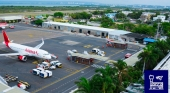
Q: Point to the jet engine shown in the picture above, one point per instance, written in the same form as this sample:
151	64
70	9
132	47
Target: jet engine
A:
22	58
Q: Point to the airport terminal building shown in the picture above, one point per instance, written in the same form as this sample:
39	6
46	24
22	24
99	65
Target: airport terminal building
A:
91	30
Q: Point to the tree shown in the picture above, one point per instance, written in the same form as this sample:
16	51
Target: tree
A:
106	78
127	9
121	67
106	22
135	15
145	29
166	16
120	16
166	27
163	46
134	74
97	12
58	14
38	22
85	86
81	15
108	11
148	58
129	26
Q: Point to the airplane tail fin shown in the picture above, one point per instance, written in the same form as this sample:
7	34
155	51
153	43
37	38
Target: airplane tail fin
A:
6	39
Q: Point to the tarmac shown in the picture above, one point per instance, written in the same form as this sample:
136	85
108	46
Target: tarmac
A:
57	43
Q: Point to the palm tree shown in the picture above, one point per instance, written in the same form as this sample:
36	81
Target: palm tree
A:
148	57
163	46
86	86
105	77
135	74
121	67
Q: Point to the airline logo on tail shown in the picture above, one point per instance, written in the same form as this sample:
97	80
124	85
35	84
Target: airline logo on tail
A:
6	39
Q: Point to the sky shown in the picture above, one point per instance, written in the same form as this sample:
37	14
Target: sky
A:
126	2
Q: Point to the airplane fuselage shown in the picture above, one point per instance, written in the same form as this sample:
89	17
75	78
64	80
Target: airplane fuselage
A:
29	51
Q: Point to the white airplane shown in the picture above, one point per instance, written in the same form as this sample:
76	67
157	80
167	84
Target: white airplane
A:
23	51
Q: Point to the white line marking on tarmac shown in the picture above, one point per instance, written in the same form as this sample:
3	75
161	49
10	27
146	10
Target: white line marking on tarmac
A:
74	86
69	81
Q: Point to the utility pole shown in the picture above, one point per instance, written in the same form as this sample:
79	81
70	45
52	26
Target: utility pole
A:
143	67
157	31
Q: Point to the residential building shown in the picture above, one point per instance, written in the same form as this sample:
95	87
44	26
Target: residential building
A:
161	17
126	12
96	16
145	16
111	15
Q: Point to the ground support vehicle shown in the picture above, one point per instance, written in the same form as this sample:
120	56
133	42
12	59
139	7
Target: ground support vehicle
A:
42	73
46	65
45	74
9	78
23	85
37	71
56	63
97	52
50	65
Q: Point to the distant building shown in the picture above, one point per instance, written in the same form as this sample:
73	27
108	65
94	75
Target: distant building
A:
145	17
67	18
149	13
134	37
12	18
161	17
39	17
96	16
111	15
126	12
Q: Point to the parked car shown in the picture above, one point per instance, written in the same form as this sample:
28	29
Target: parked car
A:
12	27
128	55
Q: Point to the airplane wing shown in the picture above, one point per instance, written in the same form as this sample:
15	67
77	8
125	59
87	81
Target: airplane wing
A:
10	54
40	45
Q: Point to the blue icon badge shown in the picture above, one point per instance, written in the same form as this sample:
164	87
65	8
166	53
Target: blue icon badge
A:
156	81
